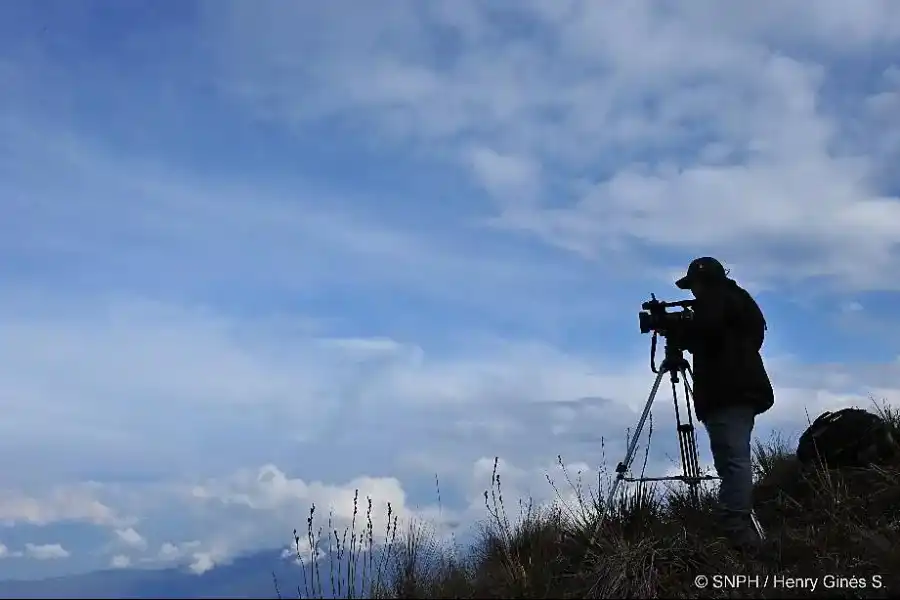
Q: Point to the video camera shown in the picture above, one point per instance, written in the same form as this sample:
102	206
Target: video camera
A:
655	318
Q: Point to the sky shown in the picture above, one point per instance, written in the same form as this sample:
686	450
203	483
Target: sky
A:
258	255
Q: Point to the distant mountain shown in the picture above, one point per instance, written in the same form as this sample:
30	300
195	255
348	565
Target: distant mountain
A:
250	576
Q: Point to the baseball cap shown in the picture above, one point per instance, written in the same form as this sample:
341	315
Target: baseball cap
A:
704	268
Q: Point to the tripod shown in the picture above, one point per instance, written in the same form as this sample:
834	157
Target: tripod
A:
678	369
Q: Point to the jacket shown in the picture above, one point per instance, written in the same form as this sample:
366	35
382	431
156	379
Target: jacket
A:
724	337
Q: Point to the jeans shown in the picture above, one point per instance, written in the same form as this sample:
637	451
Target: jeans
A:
729	430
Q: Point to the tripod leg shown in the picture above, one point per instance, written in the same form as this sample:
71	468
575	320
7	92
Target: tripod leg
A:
686	444
623	466
756	525
695	457
692	463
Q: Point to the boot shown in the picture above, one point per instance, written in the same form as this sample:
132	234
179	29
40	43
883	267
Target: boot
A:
746	541
739	530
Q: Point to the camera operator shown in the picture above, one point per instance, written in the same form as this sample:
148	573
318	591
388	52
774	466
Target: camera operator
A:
731	385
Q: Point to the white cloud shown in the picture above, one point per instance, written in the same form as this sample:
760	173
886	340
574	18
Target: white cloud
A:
120	561
304	388
169	552
132	538
60	504
269	488
510	179
200	557
202	563
46	551
729	113
852	307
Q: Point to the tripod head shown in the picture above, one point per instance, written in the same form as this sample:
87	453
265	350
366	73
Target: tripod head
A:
673	358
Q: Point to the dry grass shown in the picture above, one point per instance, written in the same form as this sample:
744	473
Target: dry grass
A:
820	524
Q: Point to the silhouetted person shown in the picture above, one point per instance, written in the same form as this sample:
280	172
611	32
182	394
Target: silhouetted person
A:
731	386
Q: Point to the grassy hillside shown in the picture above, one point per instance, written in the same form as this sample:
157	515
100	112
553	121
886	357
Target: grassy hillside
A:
840	530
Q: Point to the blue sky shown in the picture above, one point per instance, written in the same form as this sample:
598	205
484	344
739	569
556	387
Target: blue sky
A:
259	254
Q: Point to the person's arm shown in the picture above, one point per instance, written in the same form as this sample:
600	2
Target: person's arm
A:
712	317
